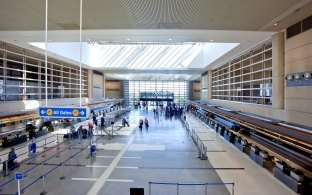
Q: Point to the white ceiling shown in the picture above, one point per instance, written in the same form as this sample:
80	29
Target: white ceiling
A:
247	22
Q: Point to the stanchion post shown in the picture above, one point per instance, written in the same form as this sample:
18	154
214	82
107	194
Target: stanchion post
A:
45	143
177	188
206	188
149	188
233	189
43	181
77	160
19	187
57	141
57	151
62	169
7	168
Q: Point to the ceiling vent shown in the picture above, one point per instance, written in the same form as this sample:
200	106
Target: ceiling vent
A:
69	26
171	25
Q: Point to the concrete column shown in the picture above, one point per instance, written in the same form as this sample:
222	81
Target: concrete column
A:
278	73
209	85
90	83
104	85
204	87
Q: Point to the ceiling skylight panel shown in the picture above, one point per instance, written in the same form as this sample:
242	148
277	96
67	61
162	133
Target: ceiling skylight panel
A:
159	56
142	56
182	56
148	56
155	55
132	55
103	53
110	62
175	55
111	53
167	57
121	57
135	56
127	57
163	58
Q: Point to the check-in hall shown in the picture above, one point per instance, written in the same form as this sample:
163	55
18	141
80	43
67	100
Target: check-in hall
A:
155	97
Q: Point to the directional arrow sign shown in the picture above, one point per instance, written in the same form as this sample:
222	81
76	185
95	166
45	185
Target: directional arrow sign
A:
62	112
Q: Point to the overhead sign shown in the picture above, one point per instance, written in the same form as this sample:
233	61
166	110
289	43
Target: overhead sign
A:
63	112
19	176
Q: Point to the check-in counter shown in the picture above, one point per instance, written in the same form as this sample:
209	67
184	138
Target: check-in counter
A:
242	144
41	133
292	178
229	136
221	130
262	158
13	140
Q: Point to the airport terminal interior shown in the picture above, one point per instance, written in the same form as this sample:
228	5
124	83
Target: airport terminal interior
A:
156	97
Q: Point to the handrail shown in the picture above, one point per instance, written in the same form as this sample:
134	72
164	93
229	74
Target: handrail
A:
58	165
3	184
189	184
26	145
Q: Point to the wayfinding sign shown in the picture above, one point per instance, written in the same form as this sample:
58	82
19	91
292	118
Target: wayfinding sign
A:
63	112
19	176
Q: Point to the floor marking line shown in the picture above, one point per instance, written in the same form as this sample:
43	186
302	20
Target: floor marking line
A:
124	167
97	166
105	175
120	180
84	179
105	156
132	157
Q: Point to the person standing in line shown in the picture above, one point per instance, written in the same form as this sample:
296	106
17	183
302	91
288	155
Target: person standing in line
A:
11	159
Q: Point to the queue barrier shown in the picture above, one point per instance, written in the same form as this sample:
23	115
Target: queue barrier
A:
12	179
206	185
44	145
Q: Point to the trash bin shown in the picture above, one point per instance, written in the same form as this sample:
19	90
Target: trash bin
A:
136	191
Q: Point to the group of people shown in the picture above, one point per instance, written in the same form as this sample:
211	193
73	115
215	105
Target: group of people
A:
145	122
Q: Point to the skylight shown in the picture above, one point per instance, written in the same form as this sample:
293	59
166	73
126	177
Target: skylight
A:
143	55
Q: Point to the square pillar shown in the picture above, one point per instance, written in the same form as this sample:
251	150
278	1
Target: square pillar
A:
278	73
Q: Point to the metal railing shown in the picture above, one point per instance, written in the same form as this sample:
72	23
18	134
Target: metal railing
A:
43	144
206	190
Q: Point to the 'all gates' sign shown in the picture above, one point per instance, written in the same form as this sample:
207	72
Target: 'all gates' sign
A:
63	112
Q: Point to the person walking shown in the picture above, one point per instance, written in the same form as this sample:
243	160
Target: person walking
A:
141	124
146	123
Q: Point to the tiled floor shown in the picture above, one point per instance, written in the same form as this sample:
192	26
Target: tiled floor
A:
165	152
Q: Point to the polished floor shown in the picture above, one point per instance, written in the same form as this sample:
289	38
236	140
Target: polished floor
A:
165	152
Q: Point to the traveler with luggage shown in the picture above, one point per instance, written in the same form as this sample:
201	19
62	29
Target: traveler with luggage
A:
11	159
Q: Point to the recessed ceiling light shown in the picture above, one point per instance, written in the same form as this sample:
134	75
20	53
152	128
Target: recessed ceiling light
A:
170	39
211	40
276	23
88	40
128	39
49	40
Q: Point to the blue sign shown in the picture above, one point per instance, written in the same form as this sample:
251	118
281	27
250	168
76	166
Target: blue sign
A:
19	176
62	112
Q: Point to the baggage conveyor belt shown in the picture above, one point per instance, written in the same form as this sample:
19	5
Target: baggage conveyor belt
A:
296	144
